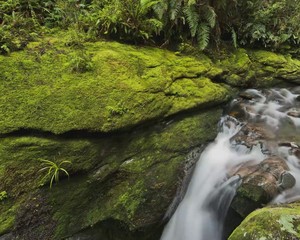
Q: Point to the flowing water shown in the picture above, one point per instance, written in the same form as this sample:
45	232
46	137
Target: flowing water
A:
201	213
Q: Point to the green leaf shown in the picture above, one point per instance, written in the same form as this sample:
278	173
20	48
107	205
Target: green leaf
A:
203	35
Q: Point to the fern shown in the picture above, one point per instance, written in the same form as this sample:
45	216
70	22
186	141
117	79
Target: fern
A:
210	16
160	9
147	5
234	38
192	17
175	8
191	2
203	32
155	24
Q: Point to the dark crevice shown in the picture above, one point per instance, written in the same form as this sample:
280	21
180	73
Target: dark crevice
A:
154	124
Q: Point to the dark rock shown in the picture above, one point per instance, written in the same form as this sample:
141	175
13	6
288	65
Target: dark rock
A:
294	113
253	134
261	183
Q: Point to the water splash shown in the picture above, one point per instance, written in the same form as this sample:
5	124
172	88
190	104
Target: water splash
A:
201	213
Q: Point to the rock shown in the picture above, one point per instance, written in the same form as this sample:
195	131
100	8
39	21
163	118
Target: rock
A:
125	87
294	113
257	68
273	222
6	237
128	178
253	134
260	184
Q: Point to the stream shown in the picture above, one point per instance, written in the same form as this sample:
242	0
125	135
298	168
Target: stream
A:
276	112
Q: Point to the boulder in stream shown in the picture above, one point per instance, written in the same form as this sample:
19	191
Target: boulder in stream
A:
270	223
260	184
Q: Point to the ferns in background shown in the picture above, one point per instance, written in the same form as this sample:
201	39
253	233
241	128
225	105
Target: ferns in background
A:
267	23
201	19
127	19
270	23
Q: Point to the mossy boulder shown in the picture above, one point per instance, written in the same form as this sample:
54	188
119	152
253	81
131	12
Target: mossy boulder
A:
130	178
270	223
100	86
259	68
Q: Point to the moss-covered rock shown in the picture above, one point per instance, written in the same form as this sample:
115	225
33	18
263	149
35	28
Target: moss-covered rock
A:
102	86
270	223
130	177
258	68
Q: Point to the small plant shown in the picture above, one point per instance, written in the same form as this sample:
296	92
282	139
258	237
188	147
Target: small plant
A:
3	195
80	62
53	170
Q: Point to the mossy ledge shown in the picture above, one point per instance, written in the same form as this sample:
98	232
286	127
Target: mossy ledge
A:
99	87
258	68
129	178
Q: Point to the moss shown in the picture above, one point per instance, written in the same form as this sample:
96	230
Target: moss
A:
270	223
19	159
257	68
126	86
7	217
136	179
269	58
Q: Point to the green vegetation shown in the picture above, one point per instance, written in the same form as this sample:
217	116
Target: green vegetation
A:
3	195
270	24
143	84
53	170
275	222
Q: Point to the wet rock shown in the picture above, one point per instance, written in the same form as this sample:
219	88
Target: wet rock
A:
130	178
261	183
253	134
270	223
246	95
6	236
294	113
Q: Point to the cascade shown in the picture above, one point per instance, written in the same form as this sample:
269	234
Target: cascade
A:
201	213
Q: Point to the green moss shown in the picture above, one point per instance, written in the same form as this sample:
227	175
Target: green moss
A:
7	217
136	176
270	223
126	86
269	58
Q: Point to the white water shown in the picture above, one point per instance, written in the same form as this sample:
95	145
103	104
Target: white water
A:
201	213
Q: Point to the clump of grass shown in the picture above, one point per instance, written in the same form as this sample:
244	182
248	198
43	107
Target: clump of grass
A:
53	170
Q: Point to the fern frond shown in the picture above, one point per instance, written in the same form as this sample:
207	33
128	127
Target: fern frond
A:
203	32
155	24
234	38
192	17
175	7
210	16
192	2
147	5
160	9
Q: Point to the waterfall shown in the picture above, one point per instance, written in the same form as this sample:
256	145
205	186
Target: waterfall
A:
201	213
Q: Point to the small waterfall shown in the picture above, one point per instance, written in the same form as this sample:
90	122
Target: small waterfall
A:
201	213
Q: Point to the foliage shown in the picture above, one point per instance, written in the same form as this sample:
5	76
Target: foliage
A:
126	19
267	23
53	170
16	29
80	62
3	195
270	23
